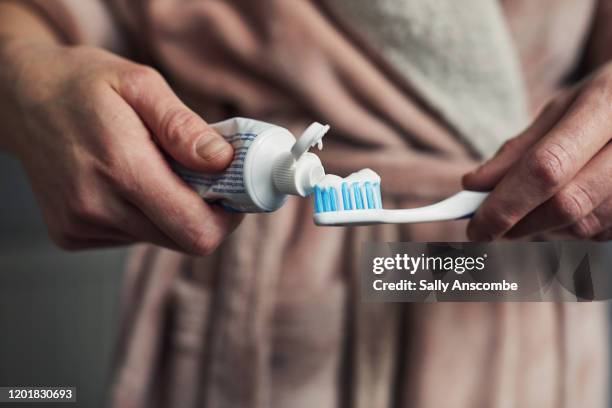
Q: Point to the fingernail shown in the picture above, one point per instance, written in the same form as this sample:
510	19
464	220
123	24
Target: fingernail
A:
210	146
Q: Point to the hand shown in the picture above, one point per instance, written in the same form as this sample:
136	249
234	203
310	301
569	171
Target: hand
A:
557	175
90	128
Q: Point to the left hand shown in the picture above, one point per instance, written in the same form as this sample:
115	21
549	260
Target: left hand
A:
556	176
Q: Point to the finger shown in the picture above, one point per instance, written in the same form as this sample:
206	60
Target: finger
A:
121	223
596	225
575	202
181	132
100	214
486	176
176	209
181	214
545	169
142	229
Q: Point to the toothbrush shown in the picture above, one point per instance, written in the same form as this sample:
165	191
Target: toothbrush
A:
357	200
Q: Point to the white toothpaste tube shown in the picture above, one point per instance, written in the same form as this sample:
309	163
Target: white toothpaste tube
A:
268	165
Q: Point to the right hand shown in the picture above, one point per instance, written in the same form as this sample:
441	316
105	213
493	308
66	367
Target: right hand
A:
89	129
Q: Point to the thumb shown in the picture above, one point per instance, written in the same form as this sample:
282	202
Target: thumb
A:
183	134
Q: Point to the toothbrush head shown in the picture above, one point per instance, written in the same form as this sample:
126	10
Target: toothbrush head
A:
356	200
359	192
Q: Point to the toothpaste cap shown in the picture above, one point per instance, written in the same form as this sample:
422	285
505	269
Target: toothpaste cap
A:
313	135
298	171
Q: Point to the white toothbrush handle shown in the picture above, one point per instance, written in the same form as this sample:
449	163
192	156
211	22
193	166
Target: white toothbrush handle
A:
460	205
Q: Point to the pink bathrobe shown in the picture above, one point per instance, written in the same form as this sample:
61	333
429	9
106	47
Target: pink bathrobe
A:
419	91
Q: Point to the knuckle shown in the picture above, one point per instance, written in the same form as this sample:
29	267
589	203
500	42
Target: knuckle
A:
139	74
547	166
179	125
136	78
572	204
84	208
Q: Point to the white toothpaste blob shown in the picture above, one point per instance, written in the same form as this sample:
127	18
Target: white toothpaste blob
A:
330	180
363	175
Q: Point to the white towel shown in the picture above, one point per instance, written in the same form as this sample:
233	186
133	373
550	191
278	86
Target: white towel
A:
472	77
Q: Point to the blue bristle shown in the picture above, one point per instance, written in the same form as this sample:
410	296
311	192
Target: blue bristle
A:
357	194
351	196
369	195
346	197
326	202
318	199
333	199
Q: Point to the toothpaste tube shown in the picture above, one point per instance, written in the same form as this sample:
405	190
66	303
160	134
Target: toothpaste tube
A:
268	165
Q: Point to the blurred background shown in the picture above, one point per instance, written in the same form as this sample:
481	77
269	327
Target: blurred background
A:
58	310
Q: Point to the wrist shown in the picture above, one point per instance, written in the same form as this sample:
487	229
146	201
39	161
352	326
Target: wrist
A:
20	30
15	51
8	105
21	33
15	56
